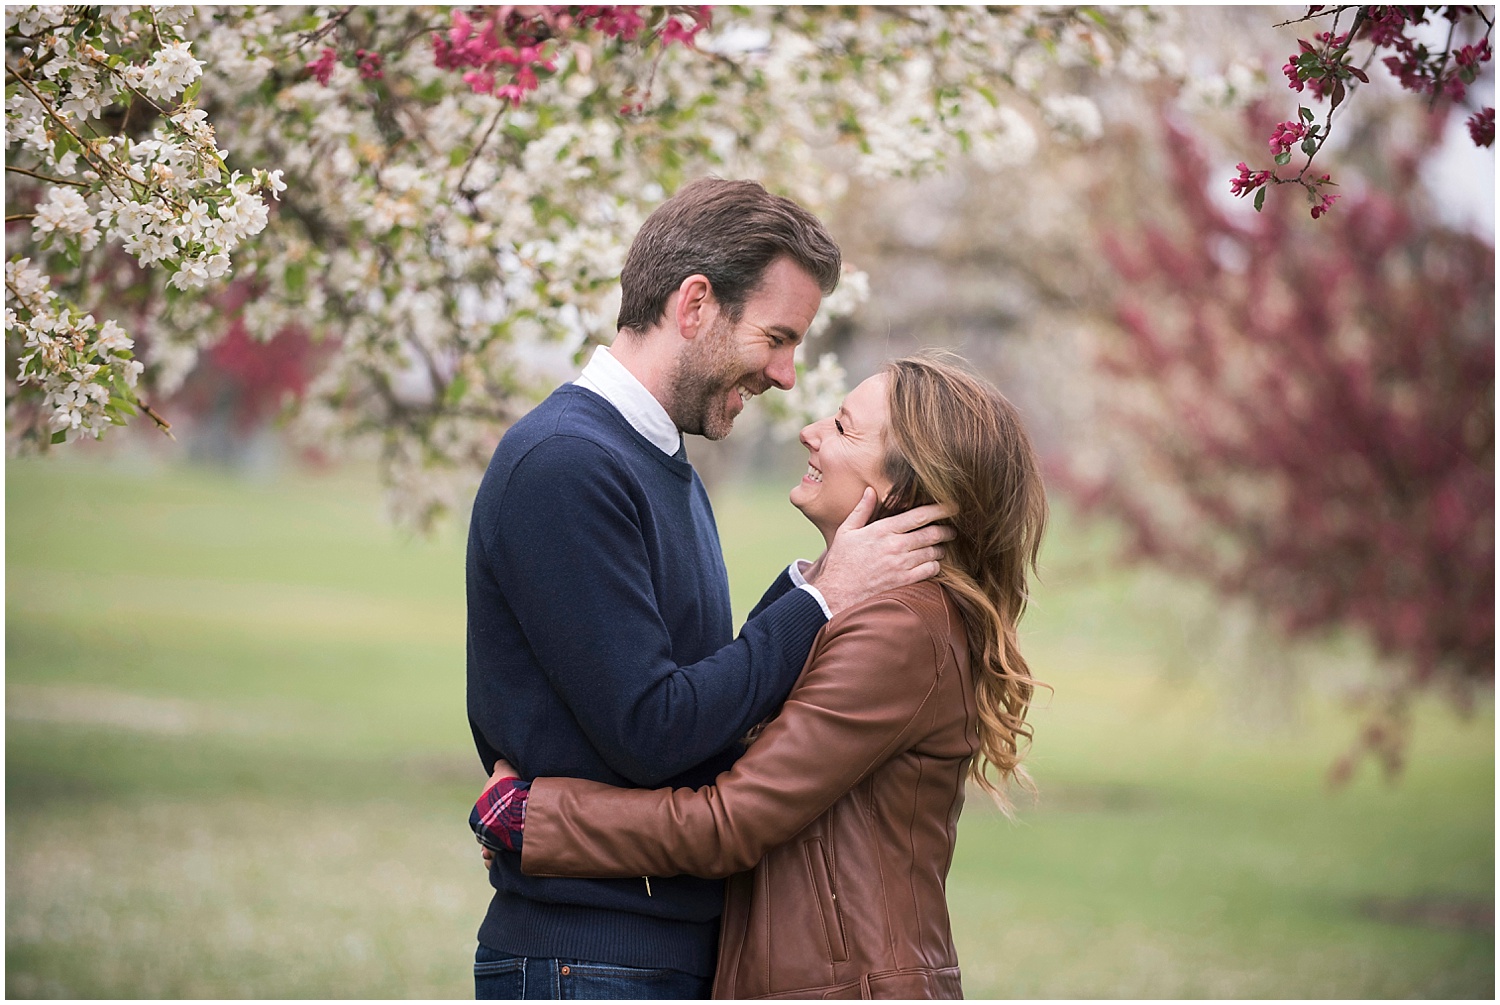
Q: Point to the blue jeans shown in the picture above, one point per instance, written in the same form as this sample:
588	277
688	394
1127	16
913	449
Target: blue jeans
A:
500	975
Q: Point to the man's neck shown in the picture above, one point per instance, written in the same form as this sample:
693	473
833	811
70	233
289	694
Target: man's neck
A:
648	361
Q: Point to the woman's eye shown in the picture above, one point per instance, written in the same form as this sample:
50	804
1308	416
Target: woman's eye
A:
839	426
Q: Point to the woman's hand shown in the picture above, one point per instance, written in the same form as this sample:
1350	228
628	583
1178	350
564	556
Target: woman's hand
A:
503	770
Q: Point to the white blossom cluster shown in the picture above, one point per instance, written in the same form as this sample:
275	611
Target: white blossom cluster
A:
168	201
455	253
80	366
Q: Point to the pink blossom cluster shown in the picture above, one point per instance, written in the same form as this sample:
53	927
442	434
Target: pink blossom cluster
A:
321	68
1482	127
1324	204
369	64
614	21
1287	135
1248	181
507	48
1323	65
1423	70
507	42
1385	24
1473	55
1326	69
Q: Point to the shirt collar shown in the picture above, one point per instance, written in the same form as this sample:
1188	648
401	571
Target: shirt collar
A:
608	378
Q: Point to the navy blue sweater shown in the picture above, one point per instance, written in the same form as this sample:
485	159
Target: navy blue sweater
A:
601	646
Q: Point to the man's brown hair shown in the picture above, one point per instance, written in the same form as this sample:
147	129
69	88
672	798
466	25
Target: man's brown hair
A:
728	231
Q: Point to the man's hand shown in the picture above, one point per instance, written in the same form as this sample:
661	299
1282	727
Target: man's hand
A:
865	560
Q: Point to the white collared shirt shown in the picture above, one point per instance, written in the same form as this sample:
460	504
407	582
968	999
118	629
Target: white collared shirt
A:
609	379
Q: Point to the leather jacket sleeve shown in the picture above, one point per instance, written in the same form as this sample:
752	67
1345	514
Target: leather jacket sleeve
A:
865	696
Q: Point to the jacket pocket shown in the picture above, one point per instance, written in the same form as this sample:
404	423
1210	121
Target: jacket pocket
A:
821	875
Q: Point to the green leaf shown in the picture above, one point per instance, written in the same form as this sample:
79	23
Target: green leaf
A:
1309	145
296	279
454	393
63	144
60	436
1284	157
1305	112
1260	199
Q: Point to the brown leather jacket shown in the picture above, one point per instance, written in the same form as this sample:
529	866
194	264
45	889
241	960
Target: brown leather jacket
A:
844	811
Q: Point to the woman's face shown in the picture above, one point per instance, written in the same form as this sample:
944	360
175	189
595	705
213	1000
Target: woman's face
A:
845	452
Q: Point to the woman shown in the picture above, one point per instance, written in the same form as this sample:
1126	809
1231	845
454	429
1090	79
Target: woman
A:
846	804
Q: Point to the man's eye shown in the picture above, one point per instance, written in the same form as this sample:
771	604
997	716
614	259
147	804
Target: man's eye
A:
839	426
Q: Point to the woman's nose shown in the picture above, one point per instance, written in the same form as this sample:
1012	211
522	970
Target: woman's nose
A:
806	436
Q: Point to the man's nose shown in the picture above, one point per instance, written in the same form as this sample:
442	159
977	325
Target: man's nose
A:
783	369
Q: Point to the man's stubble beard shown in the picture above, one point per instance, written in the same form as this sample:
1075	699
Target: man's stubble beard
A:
706	371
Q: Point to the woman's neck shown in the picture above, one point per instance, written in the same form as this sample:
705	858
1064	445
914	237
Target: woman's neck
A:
828	533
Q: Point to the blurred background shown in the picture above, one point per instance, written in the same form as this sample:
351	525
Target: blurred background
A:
237	761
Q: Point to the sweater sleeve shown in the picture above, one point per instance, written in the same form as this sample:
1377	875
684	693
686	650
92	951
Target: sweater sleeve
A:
578	578
866	697
778	589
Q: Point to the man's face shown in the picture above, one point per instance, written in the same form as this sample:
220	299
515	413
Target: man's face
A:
734	361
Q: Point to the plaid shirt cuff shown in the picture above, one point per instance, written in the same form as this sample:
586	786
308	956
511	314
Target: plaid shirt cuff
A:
499	816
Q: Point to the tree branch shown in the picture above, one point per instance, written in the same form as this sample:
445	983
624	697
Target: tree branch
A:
1313	16
333	22
103	167
42	177
162	424
1437	75
482	141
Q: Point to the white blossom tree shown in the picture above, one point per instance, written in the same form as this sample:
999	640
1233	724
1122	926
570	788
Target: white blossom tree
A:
442	197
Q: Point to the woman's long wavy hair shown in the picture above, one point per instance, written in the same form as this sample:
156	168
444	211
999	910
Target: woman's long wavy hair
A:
954	439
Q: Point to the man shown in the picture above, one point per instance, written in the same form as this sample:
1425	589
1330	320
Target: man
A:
600	640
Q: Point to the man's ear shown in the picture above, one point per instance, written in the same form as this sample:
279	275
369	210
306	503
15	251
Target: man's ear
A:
696	307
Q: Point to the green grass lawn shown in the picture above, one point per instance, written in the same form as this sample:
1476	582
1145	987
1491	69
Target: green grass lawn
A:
238	766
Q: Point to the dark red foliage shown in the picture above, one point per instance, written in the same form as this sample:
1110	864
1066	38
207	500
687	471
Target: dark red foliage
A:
246	380
1482	127
1312	411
